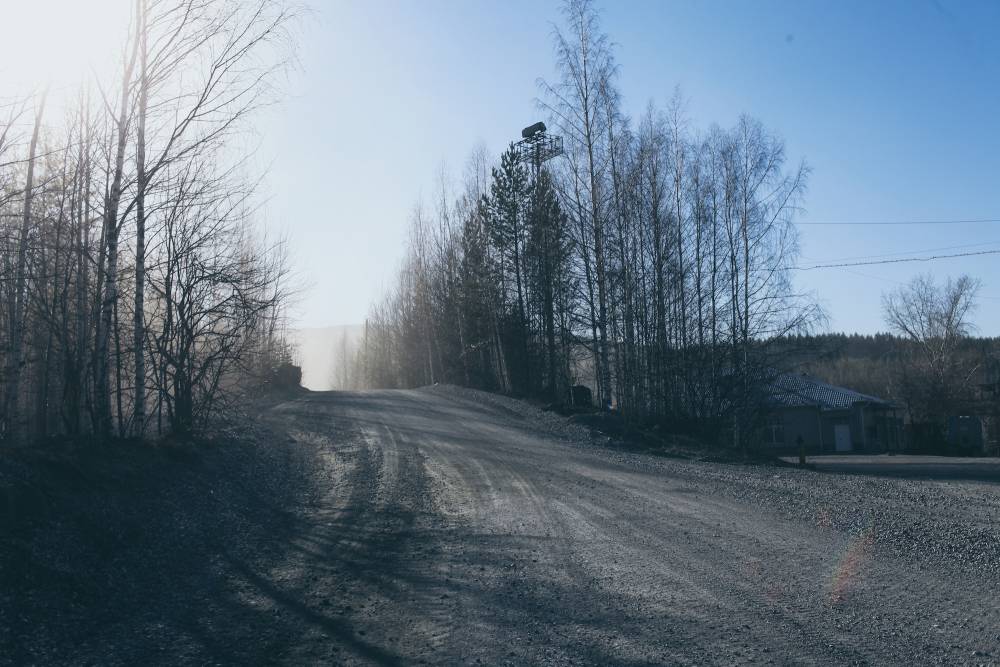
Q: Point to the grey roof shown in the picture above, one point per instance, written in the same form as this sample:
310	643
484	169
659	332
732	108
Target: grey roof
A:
794	390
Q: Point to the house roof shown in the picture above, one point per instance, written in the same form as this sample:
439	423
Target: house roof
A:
795	390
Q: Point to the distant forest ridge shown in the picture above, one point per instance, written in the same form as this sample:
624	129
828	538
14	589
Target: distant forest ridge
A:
877	345
870	363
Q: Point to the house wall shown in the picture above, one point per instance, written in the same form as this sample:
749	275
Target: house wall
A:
861	420
874	430
804	422
795	422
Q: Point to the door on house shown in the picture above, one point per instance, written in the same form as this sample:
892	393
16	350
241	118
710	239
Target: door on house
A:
842	437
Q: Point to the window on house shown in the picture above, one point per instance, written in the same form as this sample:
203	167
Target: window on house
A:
775	430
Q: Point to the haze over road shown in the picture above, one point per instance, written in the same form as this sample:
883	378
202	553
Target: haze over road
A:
459	528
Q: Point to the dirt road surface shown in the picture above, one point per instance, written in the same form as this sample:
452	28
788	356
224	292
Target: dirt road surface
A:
449	527
456	528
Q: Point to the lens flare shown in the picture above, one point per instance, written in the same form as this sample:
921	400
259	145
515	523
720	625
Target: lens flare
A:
851	565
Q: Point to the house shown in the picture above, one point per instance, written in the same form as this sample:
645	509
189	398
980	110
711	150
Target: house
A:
828	419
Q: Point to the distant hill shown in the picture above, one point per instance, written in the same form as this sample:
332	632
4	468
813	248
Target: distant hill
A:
318	351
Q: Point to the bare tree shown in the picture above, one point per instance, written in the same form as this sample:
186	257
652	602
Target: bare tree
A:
936	319
200	62
156	149
110	235
578	102
17	307
213	290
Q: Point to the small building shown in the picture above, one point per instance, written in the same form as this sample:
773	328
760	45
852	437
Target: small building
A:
828	419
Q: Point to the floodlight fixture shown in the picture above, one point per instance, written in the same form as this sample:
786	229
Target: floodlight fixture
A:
532	130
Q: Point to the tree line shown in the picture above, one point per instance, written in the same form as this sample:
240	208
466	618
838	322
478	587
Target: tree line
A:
650	262
136	288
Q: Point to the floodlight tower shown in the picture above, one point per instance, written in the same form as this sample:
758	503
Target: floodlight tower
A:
537	146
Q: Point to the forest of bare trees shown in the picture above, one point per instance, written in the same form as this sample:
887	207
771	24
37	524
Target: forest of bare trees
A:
136	289
651	262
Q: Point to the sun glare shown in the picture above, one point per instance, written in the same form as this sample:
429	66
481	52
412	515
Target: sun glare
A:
59	43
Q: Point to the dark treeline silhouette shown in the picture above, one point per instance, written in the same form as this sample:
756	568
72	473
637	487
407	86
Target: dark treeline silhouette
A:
888	366
651	262
135	291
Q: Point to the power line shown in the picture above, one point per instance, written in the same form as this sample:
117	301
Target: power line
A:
896	261
898	282
905	252
904	222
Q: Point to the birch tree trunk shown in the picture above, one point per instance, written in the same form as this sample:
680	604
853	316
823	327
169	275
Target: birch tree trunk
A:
138	317
109	289
14	422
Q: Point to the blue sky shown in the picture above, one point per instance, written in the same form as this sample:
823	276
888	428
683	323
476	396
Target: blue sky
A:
894	105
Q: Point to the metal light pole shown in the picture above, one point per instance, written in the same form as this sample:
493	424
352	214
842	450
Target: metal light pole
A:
538	146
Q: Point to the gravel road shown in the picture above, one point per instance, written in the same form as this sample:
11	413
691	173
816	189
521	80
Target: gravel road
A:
446	526
454	527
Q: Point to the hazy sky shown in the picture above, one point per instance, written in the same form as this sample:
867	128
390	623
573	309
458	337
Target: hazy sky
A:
894	105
